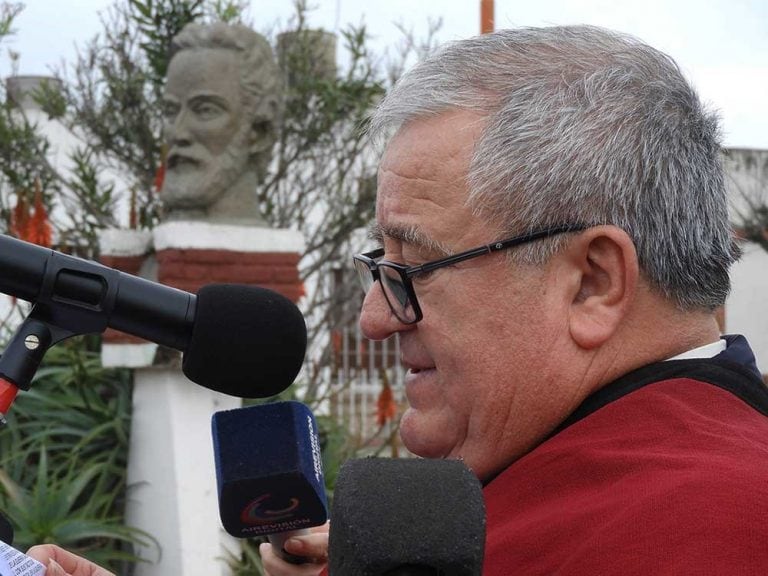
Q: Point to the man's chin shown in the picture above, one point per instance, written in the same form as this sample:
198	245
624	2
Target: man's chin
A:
422	437
188	191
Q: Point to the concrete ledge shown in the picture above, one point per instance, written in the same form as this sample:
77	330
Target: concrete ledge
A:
128	355
205	236
125	242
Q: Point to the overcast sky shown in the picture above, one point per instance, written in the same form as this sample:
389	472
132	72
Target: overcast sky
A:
722	45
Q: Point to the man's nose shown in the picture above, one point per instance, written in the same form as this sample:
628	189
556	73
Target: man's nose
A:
177	129
377	321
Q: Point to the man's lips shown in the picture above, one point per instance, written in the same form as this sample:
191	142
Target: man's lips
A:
416	365
180	160
419	370
415	362
421	385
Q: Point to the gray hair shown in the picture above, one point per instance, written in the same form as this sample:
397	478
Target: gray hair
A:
586	126
260	78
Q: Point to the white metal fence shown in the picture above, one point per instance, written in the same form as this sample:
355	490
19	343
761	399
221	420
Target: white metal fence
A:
362	370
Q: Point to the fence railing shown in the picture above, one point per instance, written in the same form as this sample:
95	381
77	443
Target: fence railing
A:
366	386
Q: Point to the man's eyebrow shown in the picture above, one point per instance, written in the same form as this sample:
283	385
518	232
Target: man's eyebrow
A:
206	96
408	235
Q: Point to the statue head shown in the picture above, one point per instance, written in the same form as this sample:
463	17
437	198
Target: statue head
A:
221	106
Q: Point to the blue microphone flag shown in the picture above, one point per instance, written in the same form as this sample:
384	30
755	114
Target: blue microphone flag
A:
268	469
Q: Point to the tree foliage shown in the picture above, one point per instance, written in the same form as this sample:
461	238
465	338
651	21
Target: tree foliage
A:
748	180
22	148
8	13
321	182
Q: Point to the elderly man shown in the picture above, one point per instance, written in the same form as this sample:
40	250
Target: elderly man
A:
221	104
554	241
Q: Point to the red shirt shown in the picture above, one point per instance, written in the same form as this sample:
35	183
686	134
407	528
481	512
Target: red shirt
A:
671	478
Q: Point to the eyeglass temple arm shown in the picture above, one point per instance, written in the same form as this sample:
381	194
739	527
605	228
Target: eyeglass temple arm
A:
493	247
455	259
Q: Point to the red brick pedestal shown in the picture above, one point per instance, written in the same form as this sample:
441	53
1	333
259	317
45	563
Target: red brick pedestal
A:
189	255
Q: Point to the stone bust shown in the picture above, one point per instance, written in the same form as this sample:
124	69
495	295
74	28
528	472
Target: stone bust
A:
221	107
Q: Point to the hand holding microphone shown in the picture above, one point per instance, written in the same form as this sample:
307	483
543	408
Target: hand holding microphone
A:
393	518
312	546
269	472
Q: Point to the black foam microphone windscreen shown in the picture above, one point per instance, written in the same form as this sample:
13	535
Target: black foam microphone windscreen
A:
399	517
247	341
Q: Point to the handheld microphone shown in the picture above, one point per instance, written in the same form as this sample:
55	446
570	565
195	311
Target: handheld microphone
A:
406	517
241	340
269	472
6	531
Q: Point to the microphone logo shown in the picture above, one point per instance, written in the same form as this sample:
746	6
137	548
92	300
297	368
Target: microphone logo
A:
266	510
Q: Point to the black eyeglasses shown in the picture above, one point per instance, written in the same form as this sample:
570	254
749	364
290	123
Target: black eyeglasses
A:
396	280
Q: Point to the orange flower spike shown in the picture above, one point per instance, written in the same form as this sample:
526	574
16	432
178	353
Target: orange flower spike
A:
39	229
160	177
386	408
337	341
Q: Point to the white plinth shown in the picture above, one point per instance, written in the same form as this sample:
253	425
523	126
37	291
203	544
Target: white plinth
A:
209	236
171	475
127	355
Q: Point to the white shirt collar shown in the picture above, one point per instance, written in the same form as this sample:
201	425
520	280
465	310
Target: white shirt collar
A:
706	351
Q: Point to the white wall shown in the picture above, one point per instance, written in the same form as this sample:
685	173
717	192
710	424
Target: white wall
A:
746	311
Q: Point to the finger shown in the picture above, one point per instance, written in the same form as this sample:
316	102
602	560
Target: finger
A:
55	569
313	546
71	563
323	528
276	566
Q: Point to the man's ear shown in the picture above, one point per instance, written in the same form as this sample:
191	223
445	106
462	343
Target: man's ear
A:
262	136
605	270
264	128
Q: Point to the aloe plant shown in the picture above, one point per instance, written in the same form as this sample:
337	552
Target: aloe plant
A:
70	508
63	457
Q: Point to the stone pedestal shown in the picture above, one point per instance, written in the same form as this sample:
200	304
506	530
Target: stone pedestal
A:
228	254
171	474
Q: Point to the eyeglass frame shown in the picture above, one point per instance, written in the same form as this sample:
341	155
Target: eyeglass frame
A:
407	273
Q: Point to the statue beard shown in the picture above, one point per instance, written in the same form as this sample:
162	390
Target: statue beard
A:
202	185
